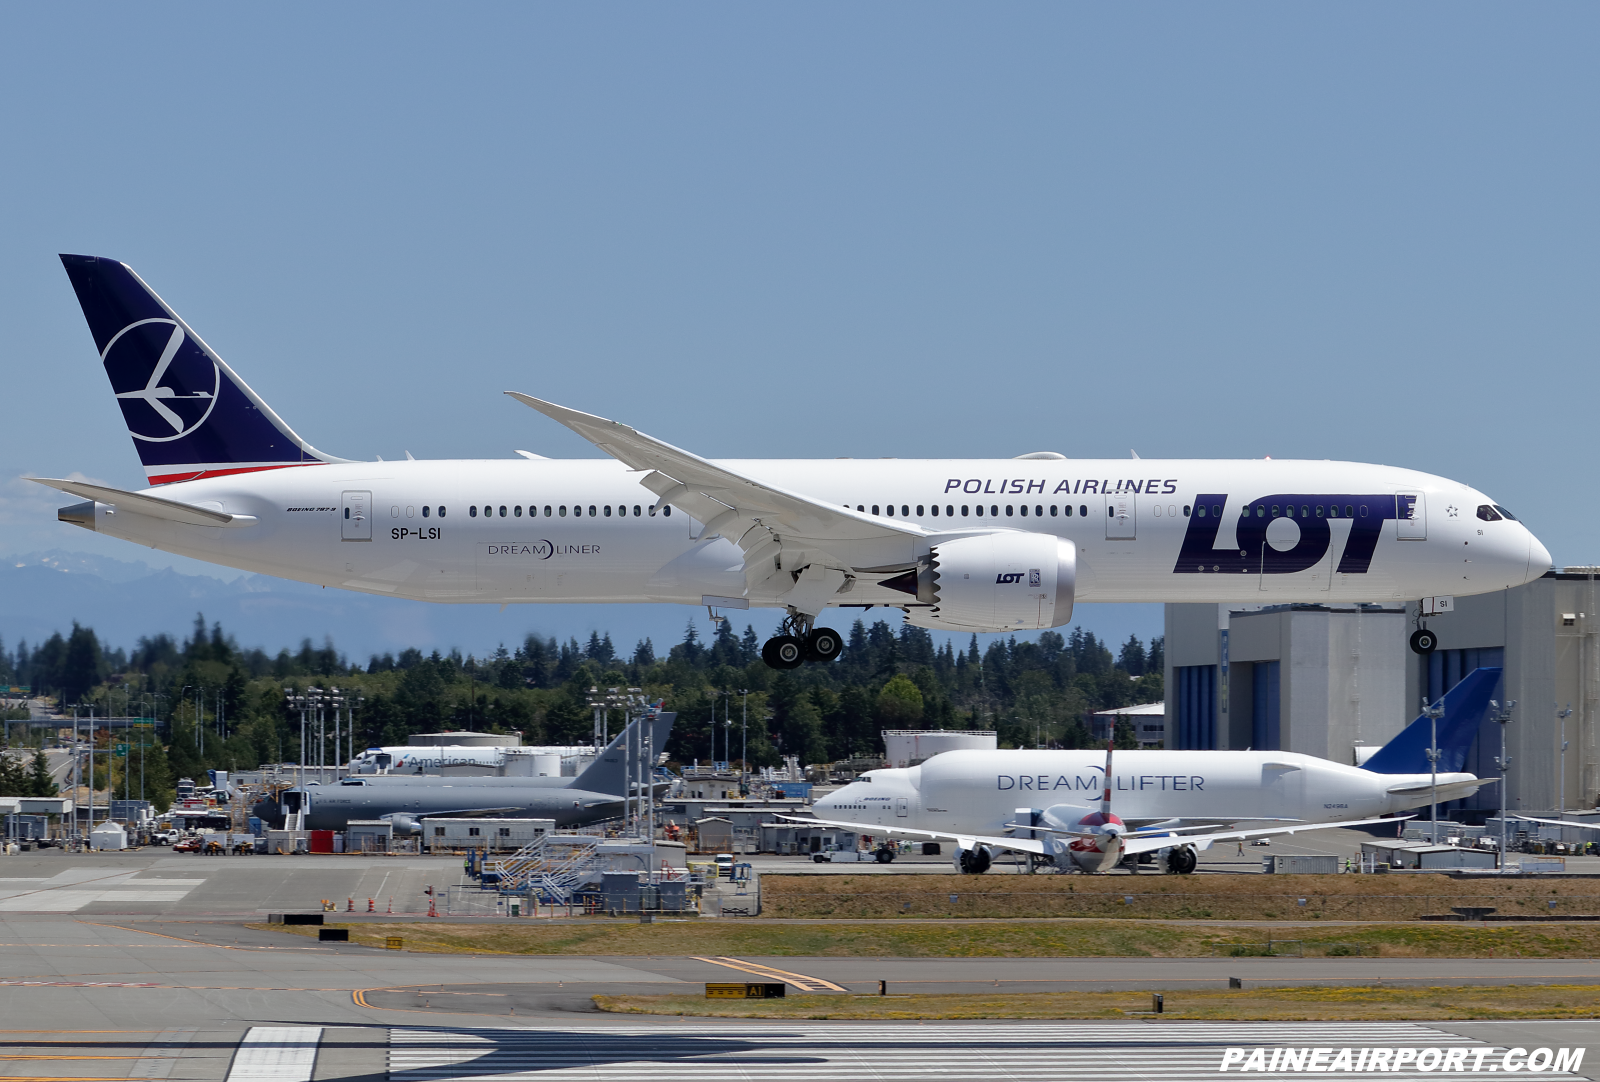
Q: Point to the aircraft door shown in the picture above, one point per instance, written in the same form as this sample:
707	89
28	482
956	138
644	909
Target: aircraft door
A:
1412	515
356	517
1121	516
1284	786
901	806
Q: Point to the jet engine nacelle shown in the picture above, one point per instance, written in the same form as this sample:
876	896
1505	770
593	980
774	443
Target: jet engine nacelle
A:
404	825
1001	581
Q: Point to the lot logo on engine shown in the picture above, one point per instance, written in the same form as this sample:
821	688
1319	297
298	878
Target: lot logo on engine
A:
1010	576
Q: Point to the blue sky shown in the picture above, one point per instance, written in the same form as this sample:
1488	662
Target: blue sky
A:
1353	231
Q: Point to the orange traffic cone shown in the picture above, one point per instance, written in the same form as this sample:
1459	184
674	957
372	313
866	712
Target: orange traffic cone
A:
349	904
371	906
391	903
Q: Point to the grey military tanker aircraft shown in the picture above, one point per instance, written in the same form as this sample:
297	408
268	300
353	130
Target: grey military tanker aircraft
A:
593	796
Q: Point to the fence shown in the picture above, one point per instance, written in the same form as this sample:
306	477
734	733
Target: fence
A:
1163	906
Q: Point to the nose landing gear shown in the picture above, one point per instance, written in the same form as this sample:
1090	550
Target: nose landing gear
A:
798	642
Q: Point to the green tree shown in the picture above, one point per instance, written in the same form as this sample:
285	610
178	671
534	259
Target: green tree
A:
900	702
40	783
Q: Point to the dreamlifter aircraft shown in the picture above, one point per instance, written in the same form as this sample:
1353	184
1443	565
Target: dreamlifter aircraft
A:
966	545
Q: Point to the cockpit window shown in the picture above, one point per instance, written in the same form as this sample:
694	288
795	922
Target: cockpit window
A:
1504	513
1488	513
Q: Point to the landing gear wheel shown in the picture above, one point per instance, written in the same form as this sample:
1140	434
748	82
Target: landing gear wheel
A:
884	856
1424	642
784	652
823	644
1182	860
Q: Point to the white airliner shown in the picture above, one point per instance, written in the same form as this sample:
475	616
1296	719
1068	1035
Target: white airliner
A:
432	758
969	545
1058	804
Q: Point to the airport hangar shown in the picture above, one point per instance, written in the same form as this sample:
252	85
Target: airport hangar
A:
1324	679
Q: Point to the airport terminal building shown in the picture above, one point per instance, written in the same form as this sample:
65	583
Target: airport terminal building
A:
1326	679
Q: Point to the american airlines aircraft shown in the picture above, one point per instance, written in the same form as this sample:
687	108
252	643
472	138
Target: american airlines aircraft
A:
963	545
1057	805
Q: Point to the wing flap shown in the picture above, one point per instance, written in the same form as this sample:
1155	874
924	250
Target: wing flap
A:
1149	844
966	841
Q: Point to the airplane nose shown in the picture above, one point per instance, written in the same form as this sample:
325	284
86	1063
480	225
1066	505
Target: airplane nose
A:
1539	560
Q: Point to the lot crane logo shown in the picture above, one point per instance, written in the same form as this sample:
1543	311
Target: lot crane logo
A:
167	385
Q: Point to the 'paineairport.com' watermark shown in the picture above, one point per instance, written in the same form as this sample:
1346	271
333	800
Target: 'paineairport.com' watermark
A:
1442	1060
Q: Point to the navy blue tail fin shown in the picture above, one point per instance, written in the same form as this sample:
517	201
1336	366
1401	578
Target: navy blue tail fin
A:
1464	708
189	415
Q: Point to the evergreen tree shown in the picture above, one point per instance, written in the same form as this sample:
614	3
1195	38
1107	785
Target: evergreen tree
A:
40	783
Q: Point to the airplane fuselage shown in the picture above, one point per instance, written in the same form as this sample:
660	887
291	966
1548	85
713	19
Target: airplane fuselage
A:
981	792
550	530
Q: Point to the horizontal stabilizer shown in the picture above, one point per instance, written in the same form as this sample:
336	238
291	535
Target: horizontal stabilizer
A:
139	503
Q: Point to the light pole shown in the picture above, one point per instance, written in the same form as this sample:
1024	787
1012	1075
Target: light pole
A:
1434	712
1502	718
1564	715
744	740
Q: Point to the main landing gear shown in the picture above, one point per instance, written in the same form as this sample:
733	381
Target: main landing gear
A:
798	642
1424	642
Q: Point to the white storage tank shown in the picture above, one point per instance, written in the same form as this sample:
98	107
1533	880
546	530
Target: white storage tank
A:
908	747
108	835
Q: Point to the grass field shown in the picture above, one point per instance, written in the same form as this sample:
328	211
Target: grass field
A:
1269	1004
970	939
1166	897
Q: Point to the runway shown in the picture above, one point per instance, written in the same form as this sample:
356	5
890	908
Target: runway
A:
174	999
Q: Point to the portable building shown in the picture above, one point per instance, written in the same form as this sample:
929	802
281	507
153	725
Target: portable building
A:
483	833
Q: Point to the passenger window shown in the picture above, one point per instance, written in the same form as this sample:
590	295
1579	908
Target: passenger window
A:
1305	511
1052	510
547	511
608	510
1275	511
874	509
964	510
1216	510
1008	510
1363	510
994	510
502	510
424	510
563	510
652	510
1319	510
905	512
666	512
1172	511
935	510
577	510
472	512
980	510
949	510
1186	511
441	510
591	510
637	511
862	508
517	511
1158	510
1083	510
1488	513
919	510
1261	509
1349	512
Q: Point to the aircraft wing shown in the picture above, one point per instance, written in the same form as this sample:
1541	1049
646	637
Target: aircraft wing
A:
154	506
1557	822
780	531
966	841
1134	845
